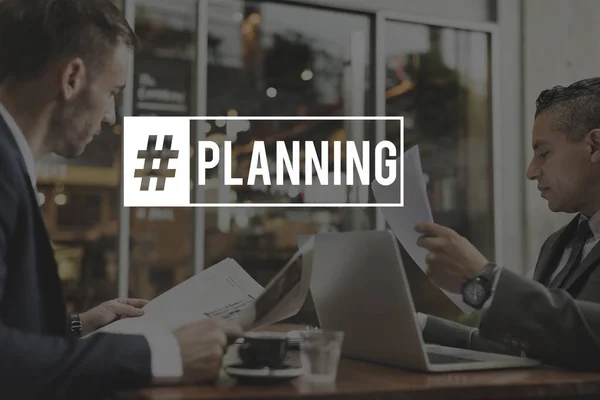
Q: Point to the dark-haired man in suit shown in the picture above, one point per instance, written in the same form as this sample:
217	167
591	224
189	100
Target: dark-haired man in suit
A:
55	93
557	317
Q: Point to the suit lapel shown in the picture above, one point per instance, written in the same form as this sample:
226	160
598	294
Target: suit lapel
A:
46	262
590	261
550	257
547	257
48	269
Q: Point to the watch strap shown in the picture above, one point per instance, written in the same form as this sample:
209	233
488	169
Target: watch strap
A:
75	324
488	271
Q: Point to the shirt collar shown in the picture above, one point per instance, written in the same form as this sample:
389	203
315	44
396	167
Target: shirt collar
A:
21	143
594	222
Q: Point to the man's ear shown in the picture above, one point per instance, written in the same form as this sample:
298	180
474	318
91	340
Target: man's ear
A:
72	78
594	140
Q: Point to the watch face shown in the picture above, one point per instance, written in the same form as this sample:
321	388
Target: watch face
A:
475	293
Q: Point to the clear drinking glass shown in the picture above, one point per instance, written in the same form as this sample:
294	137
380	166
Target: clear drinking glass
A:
320	353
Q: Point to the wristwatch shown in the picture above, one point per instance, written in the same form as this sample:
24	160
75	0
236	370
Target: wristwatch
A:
477	290
76	325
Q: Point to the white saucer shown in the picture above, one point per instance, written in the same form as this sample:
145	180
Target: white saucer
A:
264	374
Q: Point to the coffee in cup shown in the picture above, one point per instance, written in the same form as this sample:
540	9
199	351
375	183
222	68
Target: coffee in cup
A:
263	349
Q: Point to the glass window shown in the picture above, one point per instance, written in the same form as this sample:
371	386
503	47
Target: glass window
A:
265	59
161	238
439	79
80	205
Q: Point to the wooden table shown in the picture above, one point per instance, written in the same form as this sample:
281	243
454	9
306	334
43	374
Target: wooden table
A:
362	380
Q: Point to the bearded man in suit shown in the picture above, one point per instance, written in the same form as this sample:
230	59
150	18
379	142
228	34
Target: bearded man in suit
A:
56	92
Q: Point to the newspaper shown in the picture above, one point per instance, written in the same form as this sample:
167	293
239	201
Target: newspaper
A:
227	291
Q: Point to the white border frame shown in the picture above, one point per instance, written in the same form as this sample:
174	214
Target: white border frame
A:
497	143
200	188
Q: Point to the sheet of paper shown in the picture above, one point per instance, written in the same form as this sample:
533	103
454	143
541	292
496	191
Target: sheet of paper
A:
223	290
416	209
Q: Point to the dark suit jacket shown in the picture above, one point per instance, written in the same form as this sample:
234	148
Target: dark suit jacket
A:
584	285
548	324
38	358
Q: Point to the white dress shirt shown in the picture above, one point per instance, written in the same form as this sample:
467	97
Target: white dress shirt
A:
166	363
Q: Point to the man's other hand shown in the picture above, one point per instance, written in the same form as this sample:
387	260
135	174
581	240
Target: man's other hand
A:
203	345
110	311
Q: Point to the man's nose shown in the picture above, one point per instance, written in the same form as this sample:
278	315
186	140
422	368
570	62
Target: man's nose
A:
110	116
533	171
109	119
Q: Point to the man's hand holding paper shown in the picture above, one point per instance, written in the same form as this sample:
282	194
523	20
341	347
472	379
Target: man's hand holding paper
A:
452	259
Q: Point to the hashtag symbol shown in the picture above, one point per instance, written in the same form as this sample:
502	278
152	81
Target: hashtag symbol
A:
149	155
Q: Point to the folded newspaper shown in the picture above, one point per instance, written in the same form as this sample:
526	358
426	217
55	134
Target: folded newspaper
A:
227	291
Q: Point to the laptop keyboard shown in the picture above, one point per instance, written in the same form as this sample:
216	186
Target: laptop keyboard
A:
436	358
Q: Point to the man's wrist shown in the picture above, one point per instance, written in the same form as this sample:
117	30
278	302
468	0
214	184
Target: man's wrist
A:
488	303
477	269
495	279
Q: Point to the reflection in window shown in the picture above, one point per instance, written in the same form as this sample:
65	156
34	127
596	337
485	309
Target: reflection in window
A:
439	79
161	238
265	59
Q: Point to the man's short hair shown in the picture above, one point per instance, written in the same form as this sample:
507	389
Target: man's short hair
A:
36	33
576	107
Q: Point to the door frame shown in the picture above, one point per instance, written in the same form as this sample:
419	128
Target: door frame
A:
498	146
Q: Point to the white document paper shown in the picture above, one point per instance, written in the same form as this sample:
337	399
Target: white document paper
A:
227	291
416	209
223	290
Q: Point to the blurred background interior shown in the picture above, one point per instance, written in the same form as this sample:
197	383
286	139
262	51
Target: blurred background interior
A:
430	62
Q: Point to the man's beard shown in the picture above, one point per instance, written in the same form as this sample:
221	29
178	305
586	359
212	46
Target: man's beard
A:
69	126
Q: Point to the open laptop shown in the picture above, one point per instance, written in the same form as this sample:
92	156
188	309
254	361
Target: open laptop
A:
359	286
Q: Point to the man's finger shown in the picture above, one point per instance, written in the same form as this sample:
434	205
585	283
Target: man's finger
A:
231	329
433	229
431	243
134	302
125	310
430	258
